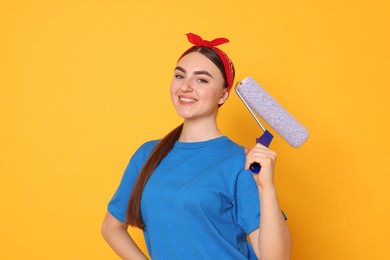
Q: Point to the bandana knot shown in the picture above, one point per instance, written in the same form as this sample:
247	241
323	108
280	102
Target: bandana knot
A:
196	40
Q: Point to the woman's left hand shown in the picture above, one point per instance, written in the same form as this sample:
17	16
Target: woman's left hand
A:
266	158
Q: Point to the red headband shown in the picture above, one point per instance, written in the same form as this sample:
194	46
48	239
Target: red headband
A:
227	63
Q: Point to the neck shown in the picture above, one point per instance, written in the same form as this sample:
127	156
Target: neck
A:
197	131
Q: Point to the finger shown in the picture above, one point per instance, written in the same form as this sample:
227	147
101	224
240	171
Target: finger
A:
260	147
264	158
262	151
254	155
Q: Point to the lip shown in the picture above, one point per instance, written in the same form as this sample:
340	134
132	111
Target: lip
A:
187	99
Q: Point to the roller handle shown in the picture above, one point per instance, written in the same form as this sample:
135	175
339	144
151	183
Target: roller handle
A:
265	139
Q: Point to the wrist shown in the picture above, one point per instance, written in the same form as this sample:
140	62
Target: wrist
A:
267	190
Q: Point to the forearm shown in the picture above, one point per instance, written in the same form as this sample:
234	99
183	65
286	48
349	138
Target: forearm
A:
116	235
274	236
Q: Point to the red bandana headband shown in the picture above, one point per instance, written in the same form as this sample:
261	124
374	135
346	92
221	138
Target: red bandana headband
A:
227	63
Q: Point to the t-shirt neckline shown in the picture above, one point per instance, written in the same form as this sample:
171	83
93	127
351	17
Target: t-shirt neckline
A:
201	144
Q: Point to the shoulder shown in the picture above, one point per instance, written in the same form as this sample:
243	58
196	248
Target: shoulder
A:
139	157
147	146
145	149
232	155
234	149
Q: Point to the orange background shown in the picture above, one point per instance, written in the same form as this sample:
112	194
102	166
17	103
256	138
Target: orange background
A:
84	83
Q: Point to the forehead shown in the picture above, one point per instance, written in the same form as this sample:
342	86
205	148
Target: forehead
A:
196	60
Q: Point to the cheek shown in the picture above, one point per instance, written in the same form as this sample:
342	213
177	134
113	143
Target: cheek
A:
171	87
172	90
212	95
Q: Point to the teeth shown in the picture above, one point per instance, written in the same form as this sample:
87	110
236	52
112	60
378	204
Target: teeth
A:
187	99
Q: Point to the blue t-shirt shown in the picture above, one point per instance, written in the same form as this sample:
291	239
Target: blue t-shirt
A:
199	203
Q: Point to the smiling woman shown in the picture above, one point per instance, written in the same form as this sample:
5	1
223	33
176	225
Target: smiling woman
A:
197	88
195	181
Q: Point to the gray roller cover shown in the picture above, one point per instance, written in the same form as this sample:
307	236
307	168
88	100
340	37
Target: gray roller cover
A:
272	112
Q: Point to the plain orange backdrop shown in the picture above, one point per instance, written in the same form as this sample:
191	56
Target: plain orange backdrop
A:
84	83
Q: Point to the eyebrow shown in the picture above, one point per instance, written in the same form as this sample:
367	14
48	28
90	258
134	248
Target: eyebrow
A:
198	72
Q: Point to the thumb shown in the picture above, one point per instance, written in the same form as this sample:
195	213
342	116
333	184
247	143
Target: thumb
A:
246	150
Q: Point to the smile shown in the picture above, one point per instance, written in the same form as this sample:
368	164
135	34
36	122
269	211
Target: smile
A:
187	100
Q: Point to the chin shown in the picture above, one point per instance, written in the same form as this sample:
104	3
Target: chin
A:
186	115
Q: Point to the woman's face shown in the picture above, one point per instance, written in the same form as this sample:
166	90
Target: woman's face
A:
197	87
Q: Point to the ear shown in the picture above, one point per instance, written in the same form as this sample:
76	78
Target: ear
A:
223	98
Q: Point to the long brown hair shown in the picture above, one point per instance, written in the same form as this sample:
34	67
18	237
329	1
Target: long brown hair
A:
159	152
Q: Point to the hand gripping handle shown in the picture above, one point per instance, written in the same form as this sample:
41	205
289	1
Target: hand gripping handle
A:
265	140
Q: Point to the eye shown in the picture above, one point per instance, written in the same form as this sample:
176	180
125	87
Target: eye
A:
179	76
203	81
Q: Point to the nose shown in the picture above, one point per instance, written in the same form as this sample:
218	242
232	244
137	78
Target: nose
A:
187	85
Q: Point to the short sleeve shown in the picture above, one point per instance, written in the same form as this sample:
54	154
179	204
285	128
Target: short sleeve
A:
248	203
118	203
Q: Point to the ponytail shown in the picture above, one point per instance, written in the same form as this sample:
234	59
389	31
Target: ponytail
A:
158	153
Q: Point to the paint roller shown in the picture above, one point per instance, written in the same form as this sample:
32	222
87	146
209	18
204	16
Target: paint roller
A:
256	99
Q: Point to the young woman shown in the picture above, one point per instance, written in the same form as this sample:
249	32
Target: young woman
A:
192	192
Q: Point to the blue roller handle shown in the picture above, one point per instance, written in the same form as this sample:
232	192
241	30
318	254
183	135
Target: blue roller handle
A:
265	140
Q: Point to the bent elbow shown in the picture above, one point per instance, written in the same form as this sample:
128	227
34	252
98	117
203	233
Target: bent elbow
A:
104	229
